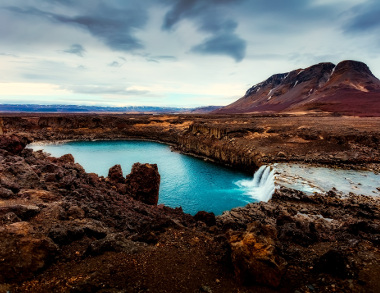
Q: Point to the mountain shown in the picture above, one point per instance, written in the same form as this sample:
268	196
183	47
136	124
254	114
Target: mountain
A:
348	88
204	110
33	108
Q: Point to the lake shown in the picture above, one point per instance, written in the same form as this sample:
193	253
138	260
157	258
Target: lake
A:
192	183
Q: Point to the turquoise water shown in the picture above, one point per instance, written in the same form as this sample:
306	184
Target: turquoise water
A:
186	181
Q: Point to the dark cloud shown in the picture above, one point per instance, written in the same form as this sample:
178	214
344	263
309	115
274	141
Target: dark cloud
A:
366	17
114	25
76	49
192	9
223	44
210	17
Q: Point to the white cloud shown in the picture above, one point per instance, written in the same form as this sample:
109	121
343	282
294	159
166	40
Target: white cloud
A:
163	68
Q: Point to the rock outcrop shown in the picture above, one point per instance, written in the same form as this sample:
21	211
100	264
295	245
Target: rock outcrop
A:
144	183
115	174
12	143
254	255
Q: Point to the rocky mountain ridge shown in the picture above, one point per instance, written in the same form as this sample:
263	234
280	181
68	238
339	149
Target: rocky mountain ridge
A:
348	88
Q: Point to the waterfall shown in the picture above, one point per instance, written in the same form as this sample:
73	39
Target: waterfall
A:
261	187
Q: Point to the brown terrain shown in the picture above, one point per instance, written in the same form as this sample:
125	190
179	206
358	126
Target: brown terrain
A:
348	88
64	230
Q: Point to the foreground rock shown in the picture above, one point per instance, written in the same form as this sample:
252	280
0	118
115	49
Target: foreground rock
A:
49	204
254	255
23	252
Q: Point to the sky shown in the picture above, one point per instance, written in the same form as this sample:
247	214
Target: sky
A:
181	53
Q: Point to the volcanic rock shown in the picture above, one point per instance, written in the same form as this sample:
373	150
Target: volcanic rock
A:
67	159
208	218
113	242
5	193
144	183
13	144
25	212
115	174
254	255
23	252
335	262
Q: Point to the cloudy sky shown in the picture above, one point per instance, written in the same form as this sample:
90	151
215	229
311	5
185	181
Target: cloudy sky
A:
172	52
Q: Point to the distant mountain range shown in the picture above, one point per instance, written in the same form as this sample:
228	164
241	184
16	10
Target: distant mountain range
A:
348	88
32	108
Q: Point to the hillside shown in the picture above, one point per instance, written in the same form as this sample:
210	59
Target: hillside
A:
348	88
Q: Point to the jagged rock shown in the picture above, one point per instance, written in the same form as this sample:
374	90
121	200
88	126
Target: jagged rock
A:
62	234
38	195
13	144
113	242
95	229
25	212
93	179
50	168
24	173
254	255
5	193
115	174
208	218
144	183
23	253
335	262
10	218
67	159
9	183
75	212
65	233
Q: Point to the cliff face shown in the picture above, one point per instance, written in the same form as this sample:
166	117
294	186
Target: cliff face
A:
348	88
241	142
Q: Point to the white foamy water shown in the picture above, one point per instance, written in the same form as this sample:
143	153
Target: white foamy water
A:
320	179
261	187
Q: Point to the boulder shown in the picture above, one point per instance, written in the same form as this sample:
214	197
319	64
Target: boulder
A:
10	218
23	174
113	242
38	195
336	263
205	217
115	174
13	144
8	183
93	179
67	159
254	255
23	253
24	212
5	193
144	183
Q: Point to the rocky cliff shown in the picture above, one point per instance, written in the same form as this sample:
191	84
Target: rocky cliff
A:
348	88
242	142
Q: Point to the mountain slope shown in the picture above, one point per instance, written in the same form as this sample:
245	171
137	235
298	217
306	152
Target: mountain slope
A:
348	88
